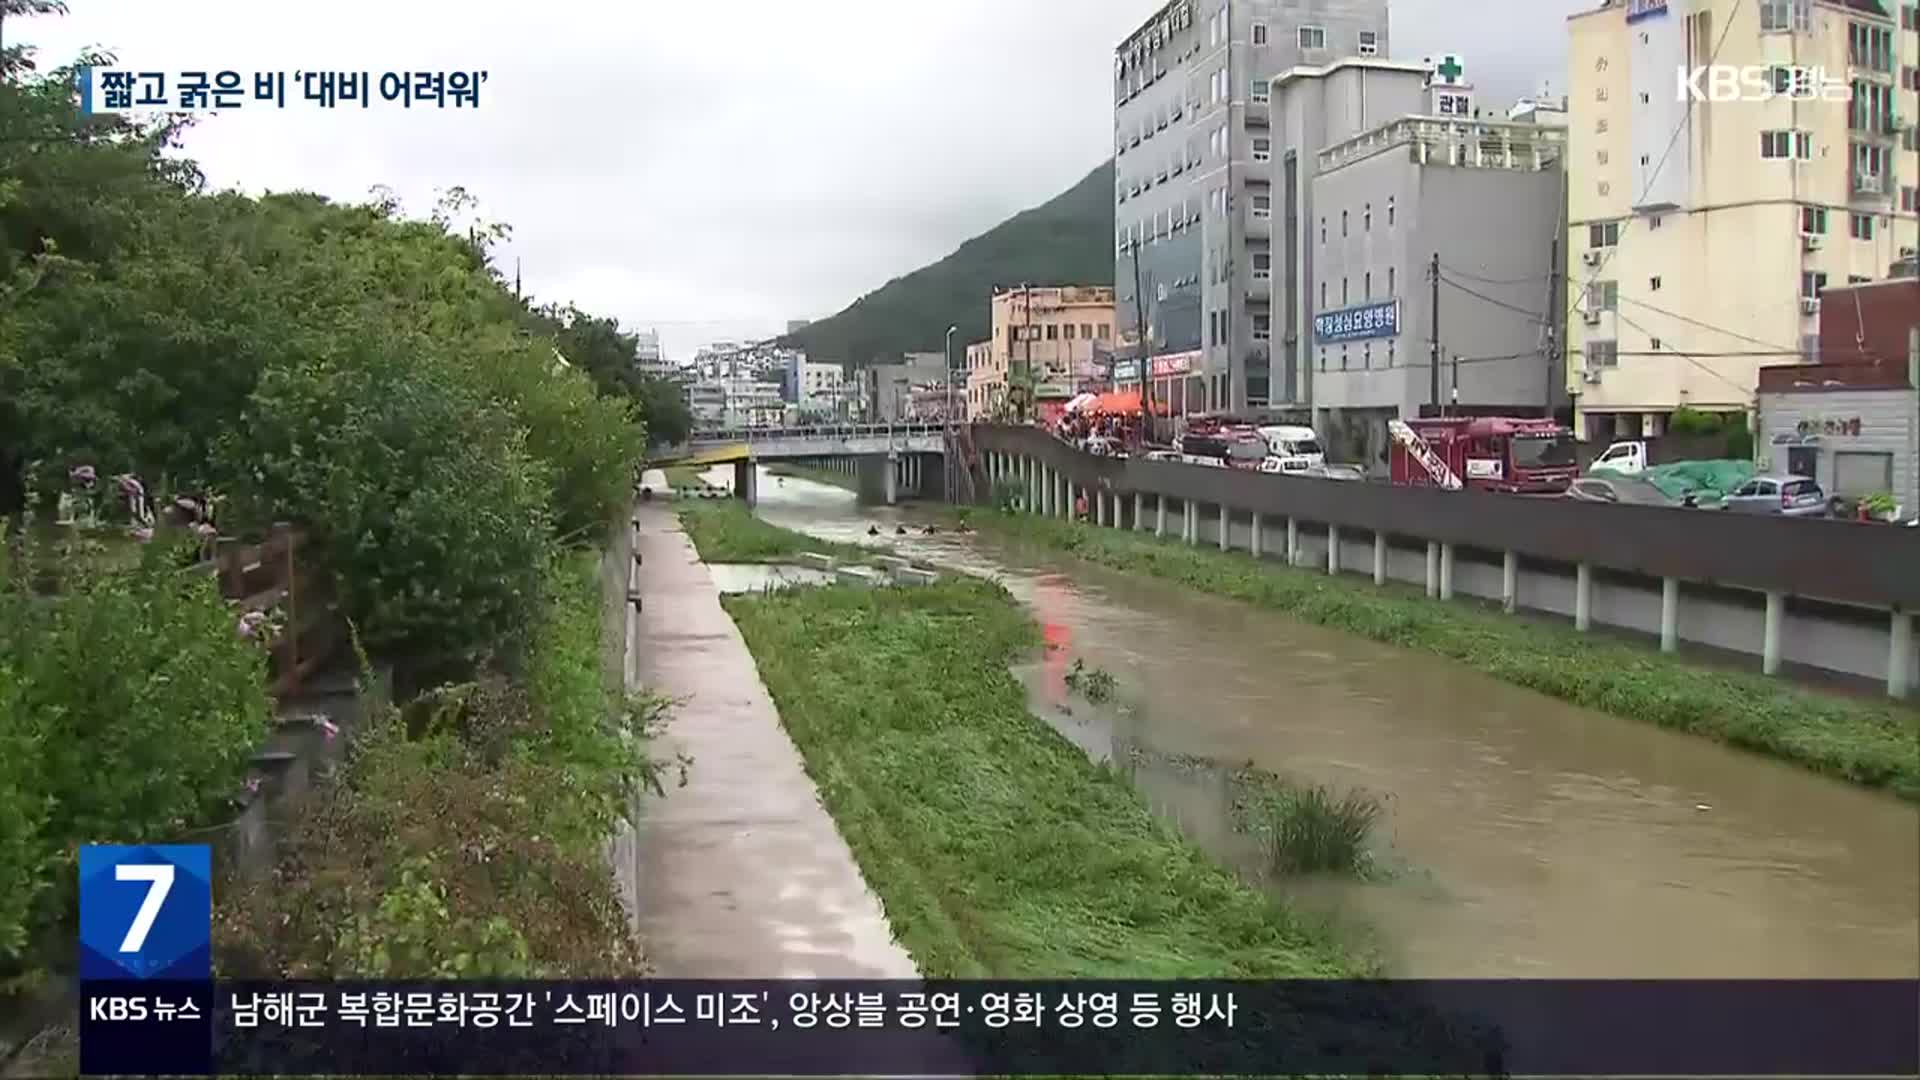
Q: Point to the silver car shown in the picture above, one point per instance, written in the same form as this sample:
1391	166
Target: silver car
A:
1789	496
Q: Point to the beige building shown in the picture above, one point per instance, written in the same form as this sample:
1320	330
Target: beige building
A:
1062	334
1704	220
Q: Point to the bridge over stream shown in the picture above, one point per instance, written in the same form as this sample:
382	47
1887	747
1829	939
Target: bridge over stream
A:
890	461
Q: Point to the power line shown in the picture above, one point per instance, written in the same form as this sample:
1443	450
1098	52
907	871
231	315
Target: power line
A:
1689	358
1533	315
1534	280
1733	17
1637	302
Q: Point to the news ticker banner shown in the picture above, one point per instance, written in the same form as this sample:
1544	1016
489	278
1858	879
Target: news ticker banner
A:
126	91
149	1005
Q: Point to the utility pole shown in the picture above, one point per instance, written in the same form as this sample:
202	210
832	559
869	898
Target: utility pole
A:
1028	400
1555	312
1143	346
1433	351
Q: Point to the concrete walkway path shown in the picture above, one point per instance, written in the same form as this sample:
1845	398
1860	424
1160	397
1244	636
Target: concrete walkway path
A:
742	873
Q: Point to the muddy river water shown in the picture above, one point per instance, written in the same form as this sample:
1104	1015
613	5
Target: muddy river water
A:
1534	838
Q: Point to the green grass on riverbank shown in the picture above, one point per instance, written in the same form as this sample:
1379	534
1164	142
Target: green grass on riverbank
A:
998	848
1870	743
726	531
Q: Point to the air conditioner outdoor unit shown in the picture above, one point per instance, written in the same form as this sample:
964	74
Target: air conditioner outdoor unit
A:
1810	243
1591	258
1591	317
1591	375
1809	306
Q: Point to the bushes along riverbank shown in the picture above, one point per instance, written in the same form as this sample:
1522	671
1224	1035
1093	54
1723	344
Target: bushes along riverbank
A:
1870	743
464	837
998	848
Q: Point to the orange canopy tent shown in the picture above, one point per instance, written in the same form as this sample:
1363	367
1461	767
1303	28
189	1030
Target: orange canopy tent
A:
1118	403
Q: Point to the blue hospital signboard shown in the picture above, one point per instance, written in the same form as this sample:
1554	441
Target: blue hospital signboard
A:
146	964
1358	323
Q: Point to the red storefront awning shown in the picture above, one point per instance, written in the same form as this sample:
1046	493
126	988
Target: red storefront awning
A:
1119	403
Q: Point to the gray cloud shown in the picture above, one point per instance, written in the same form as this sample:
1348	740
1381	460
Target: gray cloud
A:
711	169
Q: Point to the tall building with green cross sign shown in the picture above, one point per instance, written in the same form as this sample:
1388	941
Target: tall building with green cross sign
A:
1194	164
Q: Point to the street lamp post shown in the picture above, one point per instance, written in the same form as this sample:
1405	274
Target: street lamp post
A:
952	467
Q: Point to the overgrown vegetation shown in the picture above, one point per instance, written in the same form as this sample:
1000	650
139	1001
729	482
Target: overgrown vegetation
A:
1309	829
1097	685
997	847
464	835
373	379
129	706
726	531
1868	742
1065	241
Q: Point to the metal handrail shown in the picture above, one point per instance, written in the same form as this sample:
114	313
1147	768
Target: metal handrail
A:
837	431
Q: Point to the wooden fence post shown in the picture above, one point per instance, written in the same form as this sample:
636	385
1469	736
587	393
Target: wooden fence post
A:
225	564
284	532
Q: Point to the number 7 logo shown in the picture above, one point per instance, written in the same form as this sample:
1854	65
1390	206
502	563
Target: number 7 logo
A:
146	912
160	875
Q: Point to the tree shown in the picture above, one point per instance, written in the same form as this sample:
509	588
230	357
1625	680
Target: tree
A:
663	405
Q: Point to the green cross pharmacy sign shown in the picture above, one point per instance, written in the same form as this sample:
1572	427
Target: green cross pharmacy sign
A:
1449	69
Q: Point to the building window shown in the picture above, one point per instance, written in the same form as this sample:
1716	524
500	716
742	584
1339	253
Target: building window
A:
1390	282
1813	220
1086	330
1811	282
1366	218
1603	354
1909	200
1860	226
1262	266
1262	327
1262	148
1259	33
1366	287
1313	37
1781	145
1053	332
1262	206
1603	234
1910	16
1105	331
1069	331
1369	43
1603	296
1870	47
1259	91
1323	229
1343	223
1323	296
1345	297
1858	279
1784	16
1653	283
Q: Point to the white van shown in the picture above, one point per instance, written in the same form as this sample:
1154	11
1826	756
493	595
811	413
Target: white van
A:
1296	448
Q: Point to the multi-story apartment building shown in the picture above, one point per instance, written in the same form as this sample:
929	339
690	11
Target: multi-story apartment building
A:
648	358
707	401
1484	197
1052	338
980	403
1193	149
1702	226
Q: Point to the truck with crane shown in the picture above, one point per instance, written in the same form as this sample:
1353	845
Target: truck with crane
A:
1515	455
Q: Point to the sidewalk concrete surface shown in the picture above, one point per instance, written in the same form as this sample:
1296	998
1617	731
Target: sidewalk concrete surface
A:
742	873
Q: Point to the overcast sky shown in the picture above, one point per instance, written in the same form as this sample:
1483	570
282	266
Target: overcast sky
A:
710	169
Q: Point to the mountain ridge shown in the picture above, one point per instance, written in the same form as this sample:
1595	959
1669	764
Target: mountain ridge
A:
1067	240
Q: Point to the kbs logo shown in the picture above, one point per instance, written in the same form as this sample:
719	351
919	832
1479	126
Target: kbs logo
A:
1753	82
145	912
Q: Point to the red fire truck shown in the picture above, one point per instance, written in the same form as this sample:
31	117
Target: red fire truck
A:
1488	453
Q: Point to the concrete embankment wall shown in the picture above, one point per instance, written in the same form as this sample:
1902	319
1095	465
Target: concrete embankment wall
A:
1833	597
617	570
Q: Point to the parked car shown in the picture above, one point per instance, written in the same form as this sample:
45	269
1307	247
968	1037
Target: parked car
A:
1617	490
1324	471
1790	496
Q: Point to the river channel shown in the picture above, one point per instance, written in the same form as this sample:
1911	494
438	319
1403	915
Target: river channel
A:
1532	838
